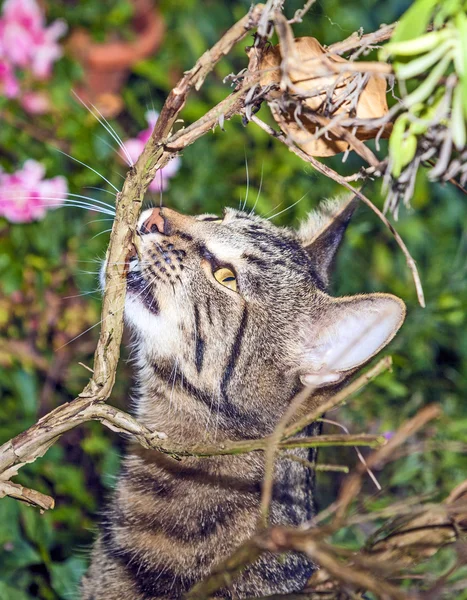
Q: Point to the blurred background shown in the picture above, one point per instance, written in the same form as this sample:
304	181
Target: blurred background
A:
124	57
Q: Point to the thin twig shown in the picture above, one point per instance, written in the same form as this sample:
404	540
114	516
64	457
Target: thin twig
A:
301	12
328	172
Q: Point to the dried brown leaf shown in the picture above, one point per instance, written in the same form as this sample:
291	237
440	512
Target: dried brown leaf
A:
315	74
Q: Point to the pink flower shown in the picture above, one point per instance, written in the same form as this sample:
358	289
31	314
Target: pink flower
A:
25	195
134	147
26	41
36	103
8	83
48	50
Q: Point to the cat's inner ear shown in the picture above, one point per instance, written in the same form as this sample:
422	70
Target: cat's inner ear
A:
345	334
322	233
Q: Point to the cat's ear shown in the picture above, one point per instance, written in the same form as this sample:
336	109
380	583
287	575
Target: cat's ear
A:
345	333
322	232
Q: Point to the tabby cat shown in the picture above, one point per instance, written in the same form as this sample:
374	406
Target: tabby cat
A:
230	319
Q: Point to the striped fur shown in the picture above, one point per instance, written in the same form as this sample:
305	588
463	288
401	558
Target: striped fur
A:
212	365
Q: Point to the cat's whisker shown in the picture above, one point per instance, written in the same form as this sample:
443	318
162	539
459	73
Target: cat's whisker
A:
259	191
357	450
101	233
107	317
88	167
289	207
247	182
100	261
82	333
71	198
99	220
272	209
160	191
77	204
60	203
106	143
106	125
96	291
105	204
93	187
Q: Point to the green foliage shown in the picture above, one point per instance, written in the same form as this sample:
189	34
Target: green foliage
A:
101	19
44	266
424	61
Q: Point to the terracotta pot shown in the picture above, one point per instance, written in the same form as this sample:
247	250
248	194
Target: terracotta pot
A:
107	65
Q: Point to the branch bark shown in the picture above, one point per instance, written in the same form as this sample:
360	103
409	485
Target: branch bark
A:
33	443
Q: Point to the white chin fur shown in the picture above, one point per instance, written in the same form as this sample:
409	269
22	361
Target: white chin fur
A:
160	334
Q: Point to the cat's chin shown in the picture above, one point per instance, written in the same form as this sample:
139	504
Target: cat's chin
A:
139	293
138	316
158	333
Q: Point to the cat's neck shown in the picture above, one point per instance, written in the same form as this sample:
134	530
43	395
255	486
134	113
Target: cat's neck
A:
189	412
206	506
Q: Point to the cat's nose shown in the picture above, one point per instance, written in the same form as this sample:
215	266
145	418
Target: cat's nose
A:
155	223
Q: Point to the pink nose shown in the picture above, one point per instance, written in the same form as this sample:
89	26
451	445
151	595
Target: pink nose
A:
154	223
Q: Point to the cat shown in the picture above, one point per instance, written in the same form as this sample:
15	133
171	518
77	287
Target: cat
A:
230	320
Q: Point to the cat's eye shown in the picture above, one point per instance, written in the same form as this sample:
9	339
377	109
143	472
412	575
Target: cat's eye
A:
226	277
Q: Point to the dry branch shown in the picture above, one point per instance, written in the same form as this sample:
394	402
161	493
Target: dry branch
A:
29	445
419	533
328	172
14	490
362	41
163	145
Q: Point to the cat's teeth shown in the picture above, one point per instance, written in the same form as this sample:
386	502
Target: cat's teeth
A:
134	267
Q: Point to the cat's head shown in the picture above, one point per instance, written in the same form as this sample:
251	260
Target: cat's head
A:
235	309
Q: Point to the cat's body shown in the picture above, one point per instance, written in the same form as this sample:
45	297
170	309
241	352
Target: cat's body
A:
230	318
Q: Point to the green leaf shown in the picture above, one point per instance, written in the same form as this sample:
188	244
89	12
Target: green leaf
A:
395	142
419	65
9	524
408	149
457	120
151	70
461	23
67	575
424	90
36	525
424	43
414	21
8	592
18	554
26	389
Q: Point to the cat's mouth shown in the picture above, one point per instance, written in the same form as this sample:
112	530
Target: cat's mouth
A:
139	288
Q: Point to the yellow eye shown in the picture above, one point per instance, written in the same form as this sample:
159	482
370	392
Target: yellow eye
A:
226	277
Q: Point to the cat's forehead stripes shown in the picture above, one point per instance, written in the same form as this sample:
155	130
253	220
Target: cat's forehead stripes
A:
234	237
